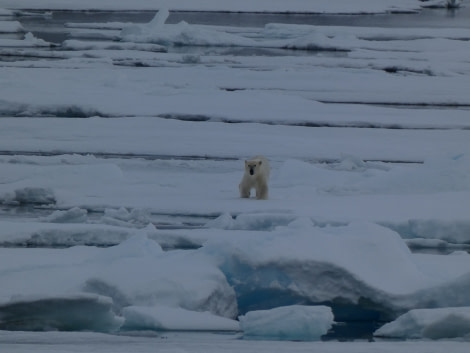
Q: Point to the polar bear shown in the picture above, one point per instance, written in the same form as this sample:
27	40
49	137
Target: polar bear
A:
256	176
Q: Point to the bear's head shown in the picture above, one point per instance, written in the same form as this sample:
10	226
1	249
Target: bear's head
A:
252	166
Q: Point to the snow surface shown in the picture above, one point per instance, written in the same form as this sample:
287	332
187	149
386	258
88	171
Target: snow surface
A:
127	141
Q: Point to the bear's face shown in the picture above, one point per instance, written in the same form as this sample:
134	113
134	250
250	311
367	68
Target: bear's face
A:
252	166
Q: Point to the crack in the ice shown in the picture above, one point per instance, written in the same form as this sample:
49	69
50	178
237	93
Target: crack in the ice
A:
110	155
312	124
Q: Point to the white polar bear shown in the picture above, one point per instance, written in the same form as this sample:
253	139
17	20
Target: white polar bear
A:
256	176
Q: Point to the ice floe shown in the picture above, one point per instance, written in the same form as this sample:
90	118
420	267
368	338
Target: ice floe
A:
73	215
282	264
10	26
439	323
29	40
136	272
294	323
77	312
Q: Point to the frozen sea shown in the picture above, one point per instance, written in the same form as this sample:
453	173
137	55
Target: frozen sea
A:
123	134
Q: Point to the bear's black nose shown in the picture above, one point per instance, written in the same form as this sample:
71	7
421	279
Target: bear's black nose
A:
252	171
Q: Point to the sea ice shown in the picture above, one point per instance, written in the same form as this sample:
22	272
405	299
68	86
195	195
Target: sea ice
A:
295	323
73	215
161	318
185	34
72	44
78	312
9	26
439	323
134	273
181	34
315	242
251	221
61	230
29	40
32	195
361	264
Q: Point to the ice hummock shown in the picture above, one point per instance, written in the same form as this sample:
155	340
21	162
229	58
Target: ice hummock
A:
9	26
184	34
154	25
294	323
282	36
72	312
438	323
29	40
363	265
134	273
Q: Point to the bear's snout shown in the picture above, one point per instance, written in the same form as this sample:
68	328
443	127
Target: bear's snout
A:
252	171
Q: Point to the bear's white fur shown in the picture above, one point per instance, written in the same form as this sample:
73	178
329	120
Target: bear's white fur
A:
256	176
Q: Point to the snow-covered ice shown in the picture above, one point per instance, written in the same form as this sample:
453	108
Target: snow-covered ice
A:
10	27
121	150
283	263
429	323
134	272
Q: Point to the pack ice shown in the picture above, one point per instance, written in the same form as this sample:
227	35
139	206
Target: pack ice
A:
136	285
329	248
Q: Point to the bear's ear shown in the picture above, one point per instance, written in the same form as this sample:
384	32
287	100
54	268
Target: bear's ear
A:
246	162
260	162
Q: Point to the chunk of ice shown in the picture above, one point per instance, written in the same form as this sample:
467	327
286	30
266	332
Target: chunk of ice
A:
73	312
429	323
295	322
